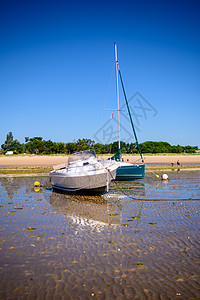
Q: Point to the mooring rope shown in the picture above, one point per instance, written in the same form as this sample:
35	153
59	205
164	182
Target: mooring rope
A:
143	199
113	179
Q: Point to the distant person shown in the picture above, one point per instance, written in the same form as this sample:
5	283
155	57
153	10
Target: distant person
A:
178	163
172	164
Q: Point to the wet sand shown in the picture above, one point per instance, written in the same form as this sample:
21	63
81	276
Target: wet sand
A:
34	160
56	246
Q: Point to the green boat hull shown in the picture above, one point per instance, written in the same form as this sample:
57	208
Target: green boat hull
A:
131	172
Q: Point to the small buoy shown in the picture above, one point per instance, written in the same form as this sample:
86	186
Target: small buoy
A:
164	177
36	184
157	176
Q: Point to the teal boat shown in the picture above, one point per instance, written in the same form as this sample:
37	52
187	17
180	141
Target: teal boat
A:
126	171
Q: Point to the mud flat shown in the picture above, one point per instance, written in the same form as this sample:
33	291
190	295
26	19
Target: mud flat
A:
139	244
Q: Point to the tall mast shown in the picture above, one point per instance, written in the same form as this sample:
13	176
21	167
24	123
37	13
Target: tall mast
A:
116	64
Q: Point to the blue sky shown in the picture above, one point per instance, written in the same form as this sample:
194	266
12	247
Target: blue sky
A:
57	63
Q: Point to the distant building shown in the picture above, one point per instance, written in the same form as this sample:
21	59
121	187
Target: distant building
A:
9	153
197	151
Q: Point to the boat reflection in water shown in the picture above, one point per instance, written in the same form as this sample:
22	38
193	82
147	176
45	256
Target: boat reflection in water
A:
126	190
91	211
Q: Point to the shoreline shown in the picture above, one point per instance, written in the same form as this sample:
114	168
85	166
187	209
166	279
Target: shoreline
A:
49	161
14	175
33	165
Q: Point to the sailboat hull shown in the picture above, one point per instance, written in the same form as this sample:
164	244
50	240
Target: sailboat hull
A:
128	171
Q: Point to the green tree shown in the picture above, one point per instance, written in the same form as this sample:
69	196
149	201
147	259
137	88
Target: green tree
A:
11	144
70	148
84	144
114	148
49	147
35	145
99	148
155	147
190	149
59	147
177	149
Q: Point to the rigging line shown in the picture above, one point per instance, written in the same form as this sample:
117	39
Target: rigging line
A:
157	176
137	160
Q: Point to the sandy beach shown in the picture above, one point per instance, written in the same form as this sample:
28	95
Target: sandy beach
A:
48	161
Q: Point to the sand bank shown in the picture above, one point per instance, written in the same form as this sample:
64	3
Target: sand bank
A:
47	161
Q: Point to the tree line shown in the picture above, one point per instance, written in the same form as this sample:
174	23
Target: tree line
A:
37	145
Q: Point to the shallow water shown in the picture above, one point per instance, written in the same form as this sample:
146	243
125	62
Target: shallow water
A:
182	185
137	242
